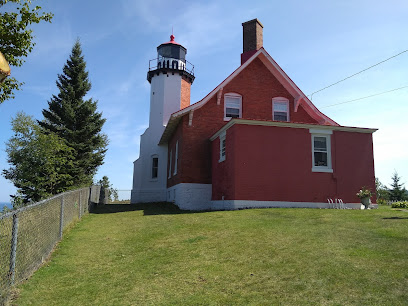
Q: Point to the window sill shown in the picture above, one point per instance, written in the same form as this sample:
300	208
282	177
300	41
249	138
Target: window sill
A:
227	118
221	160
154	180
326	170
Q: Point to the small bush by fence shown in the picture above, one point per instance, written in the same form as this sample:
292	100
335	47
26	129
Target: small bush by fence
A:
399	204
29	234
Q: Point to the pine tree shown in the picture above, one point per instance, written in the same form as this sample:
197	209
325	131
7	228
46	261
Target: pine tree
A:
397	190
76	120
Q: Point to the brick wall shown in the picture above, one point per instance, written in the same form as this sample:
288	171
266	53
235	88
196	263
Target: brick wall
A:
185	93
257	86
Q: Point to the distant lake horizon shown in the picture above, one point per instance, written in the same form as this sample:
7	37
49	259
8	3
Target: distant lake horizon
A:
8	204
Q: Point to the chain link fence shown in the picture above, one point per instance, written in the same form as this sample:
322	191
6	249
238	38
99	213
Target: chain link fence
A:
29	234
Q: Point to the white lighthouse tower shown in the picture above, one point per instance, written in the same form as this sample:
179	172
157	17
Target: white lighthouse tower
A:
170	76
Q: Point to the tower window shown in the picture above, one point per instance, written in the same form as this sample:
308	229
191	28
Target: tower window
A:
155	167
232	106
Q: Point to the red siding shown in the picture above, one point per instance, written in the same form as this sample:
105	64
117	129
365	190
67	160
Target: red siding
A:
274	164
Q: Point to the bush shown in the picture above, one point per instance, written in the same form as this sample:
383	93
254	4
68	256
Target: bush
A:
381	202
400	204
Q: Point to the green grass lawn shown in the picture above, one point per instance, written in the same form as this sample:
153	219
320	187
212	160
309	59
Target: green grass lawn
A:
160	256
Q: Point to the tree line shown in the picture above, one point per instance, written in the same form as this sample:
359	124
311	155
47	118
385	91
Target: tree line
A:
396	192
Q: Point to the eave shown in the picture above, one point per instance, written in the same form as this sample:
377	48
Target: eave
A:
291	125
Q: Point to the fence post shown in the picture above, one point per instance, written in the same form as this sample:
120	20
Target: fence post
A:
61	217
13	249
80	204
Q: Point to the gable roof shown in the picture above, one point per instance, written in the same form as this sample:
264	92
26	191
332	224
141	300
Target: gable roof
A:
277	71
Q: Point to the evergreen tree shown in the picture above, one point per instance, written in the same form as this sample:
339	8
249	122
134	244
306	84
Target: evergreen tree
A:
105	184
397	190
76	120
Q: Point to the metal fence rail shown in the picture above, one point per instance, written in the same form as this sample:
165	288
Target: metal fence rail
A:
29	234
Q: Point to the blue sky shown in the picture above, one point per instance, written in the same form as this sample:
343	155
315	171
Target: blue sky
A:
315	42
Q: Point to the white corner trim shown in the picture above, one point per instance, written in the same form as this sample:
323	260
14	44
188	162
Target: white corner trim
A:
320	131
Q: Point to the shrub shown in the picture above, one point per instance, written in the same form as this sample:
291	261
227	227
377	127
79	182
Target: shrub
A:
400	204
381	202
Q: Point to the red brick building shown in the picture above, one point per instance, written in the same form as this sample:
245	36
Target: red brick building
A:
256	140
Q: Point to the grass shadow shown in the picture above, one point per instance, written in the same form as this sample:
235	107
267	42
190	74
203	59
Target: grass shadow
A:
395	218
149	209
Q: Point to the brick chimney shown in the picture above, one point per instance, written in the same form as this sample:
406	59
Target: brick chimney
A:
252	38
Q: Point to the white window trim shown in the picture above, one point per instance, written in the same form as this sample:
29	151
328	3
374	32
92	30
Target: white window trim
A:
175	159
280	100
170	161
232	95
327	134
154	179
222	138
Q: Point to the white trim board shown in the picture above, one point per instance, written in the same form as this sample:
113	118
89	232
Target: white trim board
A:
321	128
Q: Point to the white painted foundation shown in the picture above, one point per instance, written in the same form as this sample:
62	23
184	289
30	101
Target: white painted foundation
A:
242	204
189	196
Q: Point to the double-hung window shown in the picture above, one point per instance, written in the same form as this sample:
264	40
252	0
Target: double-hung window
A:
232	106
222	147
280	109
176	159
321	150
155	167
170	161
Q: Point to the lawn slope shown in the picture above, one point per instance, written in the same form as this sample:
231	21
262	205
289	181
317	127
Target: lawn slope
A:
157	255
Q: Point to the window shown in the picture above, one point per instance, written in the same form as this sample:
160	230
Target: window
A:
222	147
155	167
232	106
280	109
170	161
321	150
175	159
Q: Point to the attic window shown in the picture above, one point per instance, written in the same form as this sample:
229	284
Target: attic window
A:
280	109
232	106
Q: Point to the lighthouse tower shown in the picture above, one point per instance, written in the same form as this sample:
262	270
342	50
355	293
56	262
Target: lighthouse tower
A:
170	76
